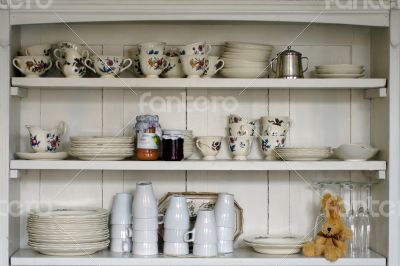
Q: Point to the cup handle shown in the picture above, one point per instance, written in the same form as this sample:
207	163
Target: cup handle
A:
208	48
186	237
126	66
49	66
165	62
129	231
85	53
85	62
160	218
57	53
58	65
220	61
198	144
307	63
62	128
26	52
16	64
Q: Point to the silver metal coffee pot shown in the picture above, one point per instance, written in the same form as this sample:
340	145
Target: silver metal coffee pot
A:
289	65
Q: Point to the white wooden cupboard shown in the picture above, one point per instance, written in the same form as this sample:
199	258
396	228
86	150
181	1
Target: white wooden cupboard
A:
276	197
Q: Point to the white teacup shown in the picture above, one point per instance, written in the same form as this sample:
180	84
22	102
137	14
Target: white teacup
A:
275	131
241	129
214	65
121	211
225	233
36	50
152	65
205	229
174	235
67	44
177	214
144	201
176	249
152	48
266	121
108	66
225	214
139	236
46	140
240	147
194	66
145	249
209	146
69	54
121	231
198	48
174	68
32	66
234	119
205	250
121	245
269	143
72	69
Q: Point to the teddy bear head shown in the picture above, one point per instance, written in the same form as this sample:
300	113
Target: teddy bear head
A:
333	227
333	206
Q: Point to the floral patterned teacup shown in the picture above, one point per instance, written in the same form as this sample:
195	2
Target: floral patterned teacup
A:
152	48
281	121
268	145
215	64
152	65
46	140
275	131
209	146
32	66
194	66
240	147
108	66
39	49
133	54
174	68
198	48
72	69
69	54
241	129
233	119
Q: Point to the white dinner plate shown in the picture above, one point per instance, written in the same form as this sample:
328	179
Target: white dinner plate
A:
340	66
245	45
69	252
288	240
42	155
243	73
339	71
336	76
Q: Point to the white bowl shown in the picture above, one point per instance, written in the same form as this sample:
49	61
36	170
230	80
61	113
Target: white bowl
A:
355	152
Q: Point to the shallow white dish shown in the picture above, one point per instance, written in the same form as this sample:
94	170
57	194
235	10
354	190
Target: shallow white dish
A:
245	45
339	66
275	250
42	155
339	71
339	76
281	240
355	152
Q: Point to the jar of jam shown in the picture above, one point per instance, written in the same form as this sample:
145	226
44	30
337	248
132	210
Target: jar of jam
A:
172	145
148	133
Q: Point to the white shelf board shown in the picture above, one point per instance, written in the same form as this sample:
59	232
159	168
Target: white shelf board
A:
27	257
216	83
198	165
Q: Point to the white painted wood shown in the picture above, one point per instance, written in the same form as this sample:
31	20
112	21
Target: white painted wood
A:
19	92
199	165
239	257
15	173
214	83
375	93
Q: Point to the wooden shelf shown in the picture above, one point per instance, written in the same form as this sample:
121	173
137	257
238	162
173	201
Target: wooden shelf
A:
25	257
183	83
199	165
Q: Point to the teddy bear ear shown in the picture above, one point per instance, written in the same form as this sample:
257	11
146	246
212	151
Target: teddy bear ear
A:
325	200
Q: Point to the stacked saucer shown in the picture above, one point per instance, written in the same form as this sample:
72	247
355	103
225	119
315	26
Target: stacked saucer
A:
188	143
276	245
102	148
303	154
245	60
68	231
339	71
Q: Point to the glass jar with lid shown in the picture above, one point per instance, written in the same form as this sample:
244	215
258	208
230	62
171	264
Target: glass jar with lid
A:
148	133
172	145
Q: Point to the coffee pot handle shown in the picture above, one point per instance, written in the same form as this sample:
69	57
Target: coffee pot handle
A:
307	63
187	234
272	64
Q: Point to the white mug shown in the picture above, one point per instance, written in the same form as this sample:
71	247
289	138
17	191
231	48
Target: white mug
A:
205	250
225	233
194	66
225	215
214	65
121	245
225	247
240	147
144	201
141	236
205	229
145	223
121	231
121	211
176	249
209	146
177	214
174	235
145	249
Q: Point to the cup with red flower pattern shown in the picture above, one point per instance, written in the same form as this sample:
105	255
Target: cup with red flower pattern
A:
209	146
268	145
46	140
32	66
198	48
152	65
194	66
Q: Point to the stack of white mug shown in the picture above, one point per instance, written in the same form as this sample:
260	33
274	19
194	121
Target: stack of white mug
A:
121	227
176	224
225	218
145	220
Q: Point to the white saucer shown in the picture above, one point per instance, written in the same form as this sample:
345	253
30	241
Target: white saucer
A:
42	155
339	75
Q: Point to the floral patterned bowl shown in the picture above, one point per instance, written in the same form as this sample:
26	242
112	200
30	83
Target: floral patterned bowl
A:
32	66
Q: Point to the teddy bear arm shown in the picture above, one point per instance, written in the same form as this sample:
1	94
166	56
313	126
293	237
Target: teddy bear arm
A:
312	249
332	253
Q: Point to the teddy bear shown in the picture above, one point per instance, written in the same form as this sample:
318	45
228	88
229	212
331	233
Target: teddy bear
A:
331	240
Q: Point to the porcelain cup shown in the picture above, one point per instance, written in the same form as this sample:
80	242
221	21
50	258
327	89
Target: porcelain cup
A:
225	210
108	66
67	44
174	68
240	147
279	121
121	212
69	54
72	69
205	229
152	48
140	236
152	65
174	235
32	66
276	131
268	145
234	119
145	224
145	249
241	129
133	54
194	66
121	245
225	247
176	249
46	140
144	201
225	233
177	214
36	50
209	146
198	48
205	250
214	65
121	230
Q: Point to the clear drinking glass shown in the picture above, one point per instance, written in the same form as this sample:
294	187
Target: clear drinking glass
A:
365	219
352	222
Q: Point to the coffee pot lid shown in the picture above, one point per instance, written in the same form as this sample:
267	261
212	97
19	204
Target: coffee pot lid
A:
289	51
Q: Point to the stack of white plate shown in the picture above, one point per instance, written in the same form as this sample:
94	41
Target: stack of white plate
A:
339	71
68	231
102	148
276	245
303	154
188	143
245	60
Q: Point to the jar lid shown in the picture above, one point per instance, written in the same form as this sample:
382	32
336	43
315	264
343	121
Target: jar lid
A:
174	132
147	118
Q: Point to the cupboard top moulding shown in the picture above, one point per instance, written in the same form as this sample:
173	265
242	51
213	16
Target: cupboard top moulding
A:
375	13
